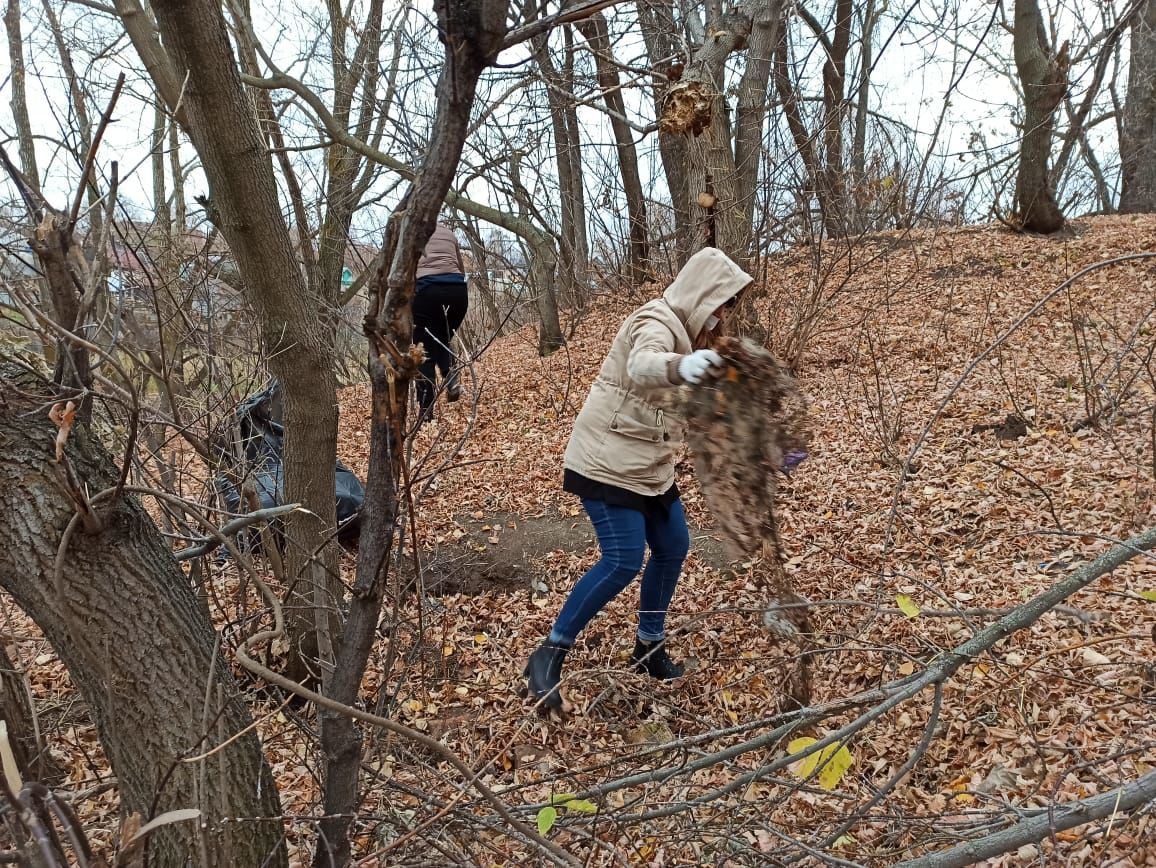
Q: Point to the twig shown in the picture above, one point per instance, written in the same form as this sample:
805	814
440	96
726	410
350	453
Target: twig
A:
90	157
210	543
1068	816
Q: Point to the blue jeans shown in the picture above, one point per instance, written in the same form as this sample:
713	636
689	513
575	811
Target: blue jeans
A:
623	535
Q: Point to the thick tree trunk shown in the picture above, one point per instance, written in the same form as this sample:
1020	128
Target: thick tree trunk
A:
1044	78
697	108
1138	136
656	21
32	756
834	76
125	622
597	34
223	128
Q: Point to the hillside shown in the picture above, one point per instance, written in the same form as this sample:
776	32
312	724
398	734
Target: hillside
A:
967	457
981	523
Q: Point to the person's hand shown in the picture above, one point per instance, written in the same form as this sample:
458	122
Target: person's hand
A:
693	366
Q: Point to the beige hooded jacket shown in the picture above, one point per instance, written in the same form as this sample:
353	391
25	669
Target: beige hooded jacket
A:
621	437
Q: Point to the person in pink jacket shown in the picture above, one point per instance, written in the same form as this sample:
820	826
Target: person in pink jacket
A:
620	462
440	302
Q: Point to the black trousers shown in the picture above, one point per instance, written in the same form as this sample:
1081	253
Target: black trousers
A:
440	302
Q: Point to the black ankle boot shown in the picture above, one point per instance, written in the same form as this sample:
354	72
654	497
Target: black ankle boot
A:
544	671
453	388
651	658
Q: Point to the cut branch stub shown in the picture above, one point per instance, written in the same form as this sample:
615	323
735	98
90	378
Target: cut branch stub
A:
686	109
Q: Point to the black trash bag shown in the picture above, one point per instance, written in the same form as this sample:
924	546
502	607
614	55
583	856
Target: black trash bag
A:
262	443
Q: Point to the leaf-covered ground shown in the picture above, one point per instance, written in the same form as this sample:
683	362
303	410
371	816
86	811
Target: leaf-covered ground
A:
936	482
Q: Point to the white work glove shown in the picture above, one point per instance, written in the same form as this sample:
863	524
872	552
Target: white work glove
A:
693	366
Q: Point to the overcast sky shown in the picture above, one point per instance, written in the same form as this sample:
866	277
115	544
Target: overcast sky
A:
940	50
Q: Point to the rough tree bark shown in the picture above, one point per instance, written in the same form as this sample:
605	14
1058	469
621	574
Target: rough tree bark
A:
312	602
20	96
124	620
835	212
723	157
221	123
30	752
567	158
1044	78
696	107
1138	136
472	33
597	34
751	112
659	33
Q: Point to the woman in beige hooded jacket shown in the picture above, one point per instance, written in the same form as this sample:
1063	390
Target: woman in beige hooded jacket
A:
620	462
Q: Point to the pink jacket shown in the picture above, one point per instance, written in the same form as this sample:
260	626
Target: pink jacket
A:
441	255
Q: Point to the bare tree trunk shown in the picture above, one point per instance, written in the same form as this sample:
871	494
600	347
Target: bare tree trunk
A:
1044	78
578	205
656	21
1138	136
162	216
766	20
543	266
244	204
567	147
20	96
834	77
472	34
16	709
695	107
126	624
597	34
863	92
177	171
804	143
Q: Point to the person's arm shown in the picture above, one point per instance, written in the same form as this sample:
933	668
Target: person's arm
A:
652	361
458	251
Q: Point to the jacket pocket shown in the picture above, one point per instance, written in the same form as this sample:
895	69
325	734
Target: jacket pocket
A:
637	429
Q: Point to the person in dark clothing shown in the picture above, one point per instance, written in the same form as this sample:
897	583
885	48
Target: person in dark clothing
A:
440	301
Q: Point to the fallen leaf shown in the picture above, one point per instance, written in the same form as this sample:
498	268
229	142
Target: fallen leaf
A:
907	606
831	762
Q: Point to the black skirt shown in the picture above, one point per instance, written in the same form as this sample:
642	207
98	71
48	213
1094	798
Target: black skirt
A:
650	505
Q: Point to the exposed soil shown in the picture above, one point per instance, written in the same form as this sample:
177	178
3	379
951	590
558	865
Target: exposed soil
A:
504	552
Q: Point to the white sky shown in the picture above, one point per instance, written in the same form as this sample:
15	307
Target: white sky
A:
909	84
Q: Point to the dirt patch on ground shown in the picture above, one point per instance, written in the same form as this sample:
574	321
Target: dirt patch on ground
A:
504	552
